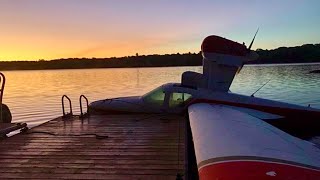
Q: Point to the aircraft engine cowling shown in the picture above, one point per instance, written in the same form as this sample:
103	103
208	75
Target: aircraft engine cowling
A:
222	58
193	79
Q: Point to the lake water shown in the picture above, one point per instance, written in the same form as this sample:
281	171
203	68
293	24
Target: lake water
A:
35	96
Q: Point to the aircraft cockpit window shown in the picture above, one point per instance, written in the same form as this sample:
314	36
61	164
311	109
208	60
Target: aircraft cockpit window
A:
179	99
155	97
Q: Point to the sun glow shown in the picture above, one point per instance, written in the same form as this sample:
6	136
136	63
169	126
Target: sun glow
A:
36	29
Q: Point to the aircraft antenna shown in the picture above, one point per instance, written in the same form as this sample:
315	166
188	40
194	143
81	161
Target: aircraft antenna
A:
252	95
249	48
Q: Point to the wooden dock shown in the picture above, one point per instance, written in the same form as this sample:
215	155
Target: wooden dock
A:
98	147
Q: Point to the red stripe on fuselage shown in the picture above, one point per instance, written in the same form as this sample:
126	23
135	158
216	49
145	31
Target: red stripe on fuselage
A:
255	170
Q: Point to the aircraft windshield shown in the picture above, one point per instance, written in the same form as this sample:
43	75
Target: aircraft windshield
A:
155	97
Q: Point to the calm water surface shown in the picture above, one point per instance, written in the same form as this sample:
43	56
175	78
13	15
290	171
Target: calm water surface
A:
35	96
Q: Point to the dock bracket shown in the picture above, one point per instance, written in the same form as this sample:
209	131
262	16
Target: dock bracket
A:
82	114
6	128
64	114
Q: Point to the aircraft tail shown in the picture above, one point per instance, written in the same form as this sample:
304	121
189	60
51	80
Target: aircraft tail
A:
222	59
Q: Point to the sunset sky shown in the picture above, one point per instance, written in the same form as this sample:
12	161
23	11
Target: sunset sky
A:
50	29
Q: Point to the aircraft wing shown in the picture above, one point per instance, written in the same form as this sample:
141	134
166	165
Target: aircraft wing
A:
232	144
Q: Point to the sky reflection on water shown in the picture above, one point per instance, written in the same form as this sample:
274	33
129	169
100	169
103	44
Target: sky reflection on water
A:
35	96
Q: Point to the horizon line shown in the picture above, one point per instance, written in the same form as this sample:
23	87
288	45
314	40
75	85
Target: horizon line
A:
138	55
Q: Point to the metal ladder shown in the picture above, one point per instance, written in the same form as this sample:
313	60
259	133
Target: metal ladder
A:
86	114
70	114
64	114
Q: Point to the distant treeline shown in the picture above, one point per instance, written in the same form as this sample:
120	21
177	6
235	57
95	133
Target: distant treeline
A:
300	54
189	59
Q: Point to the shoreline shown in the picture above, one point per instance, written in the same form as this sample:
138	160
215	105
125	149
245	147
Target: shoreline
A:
71	68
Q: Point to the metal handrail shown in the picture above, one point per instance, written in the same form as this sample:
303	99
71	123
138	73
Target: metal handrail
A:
87	102
70	105
3	82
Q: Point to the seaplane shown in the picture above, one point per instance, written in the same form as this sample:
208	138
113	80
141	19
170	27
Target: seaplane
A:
234	136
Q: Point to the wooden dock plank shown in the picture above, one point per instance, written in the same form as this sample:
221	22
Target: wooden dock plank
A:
4	176
130	147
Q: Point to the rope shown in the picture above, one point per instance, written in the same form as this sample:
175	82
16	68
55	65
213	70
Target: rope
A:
65	135
97	136
90	134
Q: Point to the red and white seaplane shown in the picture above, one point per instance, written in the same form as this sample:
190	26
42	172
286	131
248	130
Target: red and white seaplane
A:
234	136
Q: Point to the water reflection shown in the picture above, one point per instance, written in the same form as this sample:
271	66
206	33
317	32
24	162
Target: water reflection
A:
35	96
293	84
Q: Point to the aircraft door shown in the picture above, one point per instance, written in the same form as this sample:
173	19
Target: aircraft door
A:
177	101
